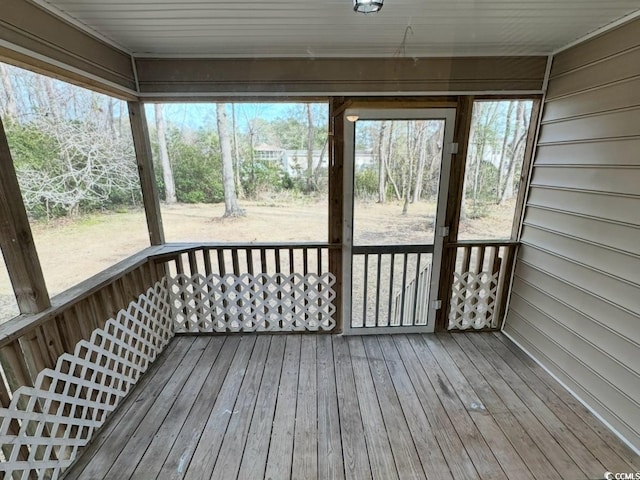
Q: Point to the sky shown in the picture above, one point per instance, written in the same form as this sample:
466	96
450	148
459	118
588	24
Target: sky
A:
199	115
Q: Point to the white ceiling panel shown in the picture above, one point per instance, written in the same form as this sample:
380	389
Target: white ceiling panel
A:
325	28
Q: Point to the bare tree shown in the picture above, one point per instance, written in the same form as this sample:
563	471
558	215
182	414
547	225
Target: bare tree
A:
382	171
516	151
167	172
236	152
503	151
421	146
310	185
231	207
89	164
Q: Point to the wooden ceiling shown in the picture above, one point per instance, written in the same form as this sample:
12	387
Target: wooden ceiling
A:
329	28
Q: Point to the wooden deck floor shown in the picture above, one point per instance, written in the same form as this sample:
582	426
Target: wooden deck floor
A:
463	406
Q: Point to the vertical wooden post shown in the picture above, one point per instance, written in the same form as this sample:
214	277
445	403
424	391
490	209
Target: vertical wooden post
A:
144	158
464	113
336	189
16	239
536	118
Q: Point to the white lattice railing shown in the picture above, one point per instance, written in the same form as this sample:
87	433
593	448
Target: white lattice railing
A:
248	303
480	283
56	417
473	300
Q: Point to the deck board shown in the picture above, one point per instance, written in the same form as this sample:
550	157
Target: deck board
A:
461	406
254	456
510	352
187	441
163	441
483	457
354	447
375	433
571	444
280	455
516	432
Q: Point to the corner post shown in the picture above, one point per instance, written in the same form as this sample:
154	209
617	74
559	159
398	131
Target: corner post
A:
144	159
16	239
464	113
336	200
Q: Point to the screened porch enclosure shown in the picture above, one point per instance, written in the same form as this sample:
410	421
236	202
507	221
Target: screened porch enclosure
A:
323	245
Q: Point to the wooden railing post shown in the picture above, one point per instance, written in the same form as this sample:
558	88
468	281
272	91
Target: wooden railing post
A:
144	159
16	239
336	201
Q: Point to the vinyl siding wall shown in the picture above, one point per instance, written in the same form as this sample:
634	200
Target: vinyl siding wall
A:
575	303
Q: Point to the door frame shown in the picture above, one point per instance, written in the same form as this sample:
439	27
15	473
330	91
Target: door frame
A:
447	114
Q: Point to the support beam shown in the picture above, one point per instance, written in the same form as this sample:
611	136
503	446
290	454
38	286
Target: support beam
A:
33	37
163	78
464	113
144	158
16	239
336	199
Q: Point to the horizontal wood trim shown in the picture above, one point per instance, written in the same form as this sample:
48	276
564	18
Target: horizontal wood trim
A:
480	243
624	323
32	28
621	237
610	70
598	205
617	124
616	408
614	262
611	180
388	249
610	43
601	99
338	75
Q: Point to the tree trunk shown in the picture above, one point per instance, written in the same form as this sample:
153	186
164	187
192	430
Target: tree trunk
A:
231	207
236	151
167	172
408	177
387	162
382	184
11	111
503	152
489	120
517	146
310	185
422	159
316	171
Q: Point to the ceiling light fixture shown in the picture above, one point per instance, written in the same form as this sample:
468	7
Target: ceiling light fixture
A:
353	118
367	6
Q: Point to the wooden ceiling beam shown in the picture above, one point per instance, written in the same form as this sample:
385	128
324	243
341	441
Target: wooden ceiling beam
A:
33	37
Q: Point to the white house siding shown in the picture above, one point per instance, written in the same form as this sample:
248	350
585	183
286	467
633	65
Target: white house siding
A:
575	303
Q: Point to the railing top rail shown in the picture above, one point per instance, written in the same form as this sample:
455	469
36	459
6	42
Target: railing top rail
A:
482	243
172	249
18	326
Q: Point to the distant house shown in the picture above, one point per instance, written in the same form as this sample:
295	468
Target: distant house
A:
295	161
268	152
